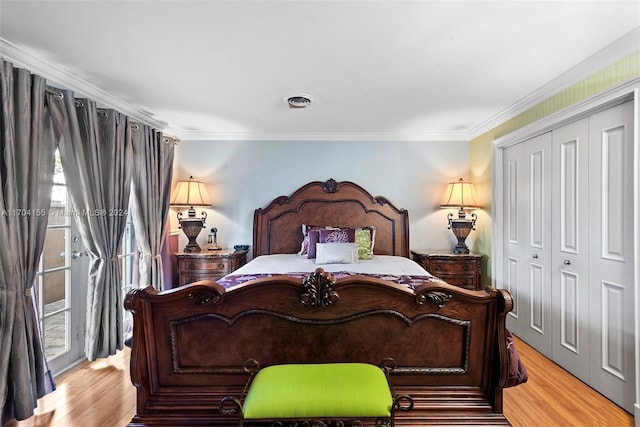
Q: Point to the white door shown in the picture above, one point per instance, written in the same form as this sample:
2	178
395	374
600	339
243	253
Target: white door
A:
592	279
570	252
60	282
513	160
611	308
528	243
537	254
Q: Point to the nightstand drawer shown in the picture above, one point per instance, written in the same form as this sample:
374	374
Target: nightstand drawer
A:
452	267
210	266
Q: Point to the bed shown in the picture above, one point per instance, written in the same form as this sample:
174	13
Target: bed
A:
191	344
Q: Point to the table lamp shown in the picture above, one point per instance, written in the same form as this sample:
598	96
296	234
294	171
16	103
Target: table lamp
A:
459	195
190	194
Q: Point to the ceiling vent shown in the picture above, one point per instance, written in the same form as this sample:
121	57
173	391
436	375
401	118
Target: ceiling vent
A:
299	101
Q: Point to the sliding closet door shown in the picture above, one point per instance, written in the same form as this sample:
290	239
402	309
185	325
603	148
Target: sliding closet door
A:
528	239
571	234
611	254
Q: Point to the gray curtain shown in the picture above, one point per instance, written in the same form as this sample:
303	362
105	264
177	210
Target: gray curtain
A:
26	177
95	150
151	190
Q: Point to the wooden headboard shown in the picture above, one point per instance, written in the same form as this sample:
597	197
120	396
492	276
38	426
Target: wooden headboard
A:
277	229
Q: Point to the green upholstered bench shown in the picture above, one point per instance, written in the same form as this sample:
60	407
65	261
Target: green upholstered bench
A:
318	394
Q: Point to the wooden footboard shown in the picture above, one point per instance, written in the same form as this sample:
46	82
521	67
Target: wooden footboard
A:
190	344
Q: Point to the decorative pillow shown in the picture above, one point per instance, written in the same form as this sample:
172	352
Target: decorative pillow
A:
365	244
330	234
313	237
304	248
338	235
336	253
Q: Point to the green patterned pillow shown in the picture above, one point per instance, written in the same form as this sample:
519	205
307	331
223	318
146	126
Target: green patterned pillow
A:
364	241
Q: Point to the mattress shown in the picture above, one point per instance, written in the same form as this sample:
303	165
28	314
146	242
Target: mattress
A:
395	269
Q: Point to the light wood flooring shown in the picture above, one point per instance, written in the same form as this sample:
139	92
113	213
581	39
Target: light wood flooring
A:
100	394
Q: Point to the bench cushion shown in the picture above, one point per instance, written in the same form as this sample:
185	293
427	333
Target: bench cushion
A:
299	391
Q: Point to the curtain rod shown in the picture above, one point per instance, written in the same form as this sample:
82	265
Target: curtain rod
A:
168	139
54	92
134	125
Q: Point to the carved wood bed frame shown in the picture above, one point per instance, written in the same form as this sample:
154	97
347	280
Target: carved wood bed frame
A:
190	344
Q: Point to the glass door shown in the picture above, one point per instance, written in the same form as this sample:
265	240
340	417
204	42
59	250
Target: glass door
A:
128	269
61	282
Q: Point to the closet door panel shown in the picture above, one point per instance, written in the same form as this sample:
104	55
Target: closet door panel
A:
611	254
538	309
570	312
537	247
569	188
528	240
514	234
570	228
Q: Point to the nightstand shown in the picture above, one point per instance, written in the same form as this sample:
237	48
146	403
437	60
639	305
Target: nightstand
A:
456	269
208	265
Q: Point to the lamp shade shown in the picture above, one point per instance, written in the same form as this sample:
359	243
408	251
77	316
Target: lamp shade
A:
190	193
459	195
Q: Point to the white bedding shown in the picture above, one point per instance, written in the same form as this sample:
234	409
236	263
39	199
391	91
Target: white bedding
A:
291	263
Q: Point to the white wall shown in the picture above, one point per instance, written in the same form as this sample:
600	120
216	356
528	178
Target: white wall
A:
244	175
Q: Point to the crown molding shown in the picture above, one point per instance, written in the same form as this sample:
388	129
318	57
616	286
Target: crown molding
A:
59	77
346	136
622	92
626	45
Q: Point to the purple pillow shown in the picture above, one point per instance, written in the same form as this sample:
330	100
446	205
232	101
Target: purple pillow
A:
340	235
313	238
304	249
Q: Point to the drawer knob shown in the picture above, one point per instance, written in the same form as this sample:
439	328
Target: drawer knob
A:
220	266
534	256
466	267
567	262
192	265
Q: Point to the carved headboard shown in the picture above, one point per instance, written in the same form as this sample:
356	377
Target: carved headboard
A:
277	229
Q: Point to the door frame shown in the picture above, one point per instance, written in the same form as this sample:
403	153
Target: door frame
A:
627	91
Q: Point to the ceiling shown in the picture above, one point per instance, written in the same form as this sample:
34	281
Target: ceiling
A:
375	70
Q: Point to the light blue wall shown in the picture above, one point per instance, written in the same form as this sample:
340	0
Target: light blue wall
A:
244	175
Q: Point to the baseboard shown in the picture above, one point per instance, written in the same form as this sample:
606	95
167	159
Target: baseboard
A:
83	359
636	414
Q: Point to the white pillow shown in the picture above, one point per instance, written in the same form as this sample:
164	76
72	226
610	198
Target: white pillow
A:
336	253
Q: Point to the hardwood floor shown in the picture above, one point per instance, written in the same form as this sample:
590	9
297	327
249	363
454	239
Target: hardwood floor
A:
100	394
97	394
552	397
